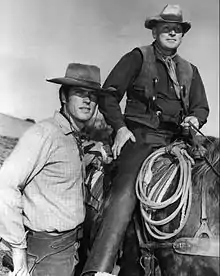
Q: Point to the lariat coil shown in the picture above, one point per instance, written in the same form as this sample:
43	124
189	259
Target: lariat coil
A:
151	197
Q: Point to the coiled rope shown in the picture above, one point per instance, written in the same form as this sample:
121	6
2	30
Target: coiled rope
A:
151	196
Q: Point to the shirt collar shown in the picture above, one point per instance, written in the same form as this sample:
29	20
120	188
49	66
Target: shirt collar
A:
63	123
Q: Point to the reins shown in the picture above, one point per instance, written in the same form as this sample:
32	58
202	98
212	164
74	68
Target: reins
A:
206	159
211	166
200	132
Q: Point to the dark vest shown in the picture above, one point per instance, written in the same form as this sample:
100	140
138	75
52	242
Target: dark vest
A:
141	95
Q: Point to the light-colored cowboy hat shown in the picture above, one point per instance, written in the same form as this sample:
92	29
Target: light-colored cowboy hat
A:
170	13
81	75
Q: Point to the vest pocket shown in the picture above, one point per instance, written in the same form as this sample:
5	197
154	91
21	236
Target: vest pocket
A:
135	107
138	112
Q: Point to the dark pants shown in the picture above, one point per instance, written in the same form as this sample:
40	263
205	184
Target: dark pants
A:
52	255
147	141
121	204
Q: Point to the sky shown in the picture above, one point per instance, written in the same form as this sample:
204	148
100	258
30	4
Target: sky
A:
40	37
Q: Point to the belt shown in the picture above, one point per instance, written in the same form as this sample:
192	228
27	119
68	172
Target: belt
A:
42	244
76	233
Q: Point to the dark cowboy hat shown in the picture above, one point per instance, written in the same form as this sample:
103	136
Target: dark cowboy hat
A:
81	75
170	13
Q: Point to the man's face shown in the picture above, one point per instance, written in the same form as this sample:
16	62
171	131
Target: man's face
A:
168	35
81	104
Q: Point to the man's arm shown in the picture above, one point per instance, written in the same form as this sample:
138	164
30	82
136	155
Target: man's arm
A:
198	104
24	162
122	75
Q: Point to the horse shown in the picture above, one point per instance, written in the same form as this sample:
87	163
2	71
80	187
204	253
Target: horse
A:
203	219
205	174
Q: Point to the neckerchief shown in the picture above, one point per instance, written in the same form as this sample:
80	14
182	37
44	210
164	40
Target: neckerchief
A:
171	68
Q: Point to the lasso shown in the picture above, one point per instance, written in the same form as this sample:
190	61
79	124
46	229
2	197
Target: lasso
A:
151	197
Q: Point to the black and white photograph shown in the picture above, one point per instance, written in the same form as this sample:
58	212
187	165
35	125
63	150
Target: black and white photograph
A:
109	138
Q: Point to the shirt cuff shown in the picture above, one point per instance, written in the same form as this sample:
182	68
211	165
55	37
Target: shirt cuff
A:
119	125
22	244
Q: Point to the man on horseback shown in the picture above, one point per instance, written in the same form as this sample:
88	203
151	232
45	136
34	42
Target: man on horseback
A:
42	182
165	95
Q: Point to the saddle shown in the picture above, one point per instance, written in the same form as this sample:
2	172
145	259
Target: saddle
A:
154	189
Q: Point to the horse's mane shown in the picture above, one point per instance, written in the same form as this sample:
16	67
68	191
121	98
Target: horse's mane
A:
211	159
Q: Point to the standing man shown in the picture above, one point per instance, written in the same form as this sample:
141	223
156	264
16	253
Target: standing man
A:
165	93
41	182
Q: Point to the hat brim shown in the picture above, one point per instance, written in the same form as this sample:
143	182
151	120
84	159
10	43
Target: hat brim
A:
151	22
77	83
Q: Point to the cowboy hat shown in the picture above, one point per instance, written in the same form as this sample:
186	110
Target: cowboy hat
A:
170	13
80	75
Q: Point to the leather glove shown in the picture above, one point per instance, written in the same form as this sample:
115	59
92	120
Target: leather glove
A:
190	119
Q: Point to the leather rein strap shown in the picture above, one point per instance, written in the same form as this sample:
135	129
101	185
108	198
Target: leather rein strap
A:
207	161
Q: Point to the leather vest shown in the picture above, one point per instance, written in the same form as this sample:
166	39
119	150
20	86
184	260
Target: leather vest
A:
142	94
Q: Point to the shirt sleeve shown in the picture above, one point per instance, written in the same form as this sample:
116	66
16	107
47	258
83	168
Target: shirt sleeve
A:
198	104
27	158
122	75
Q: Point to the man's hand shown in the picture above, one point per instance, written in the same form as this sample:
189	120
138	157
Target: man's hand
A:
122	136
190	119
19	257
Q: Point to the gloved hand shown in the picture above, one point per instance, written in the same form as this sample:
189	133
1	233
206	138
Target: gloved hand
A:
192	119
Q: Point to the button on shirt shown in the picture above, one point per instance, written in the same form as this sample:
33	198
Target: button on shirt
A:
41	182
